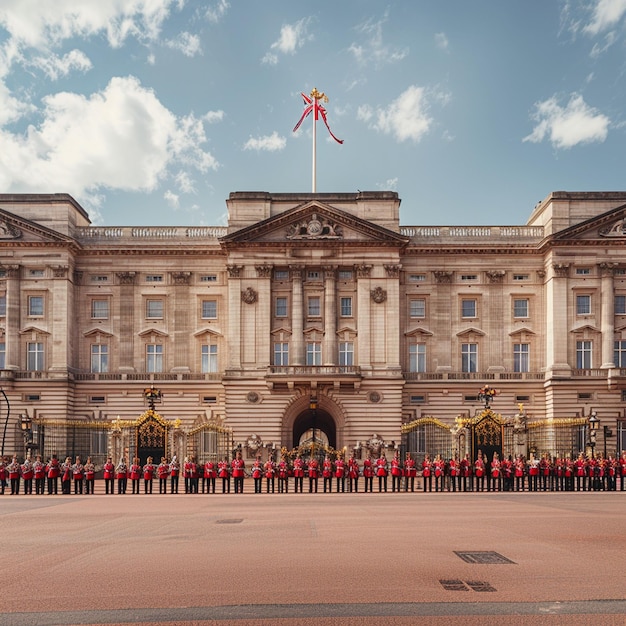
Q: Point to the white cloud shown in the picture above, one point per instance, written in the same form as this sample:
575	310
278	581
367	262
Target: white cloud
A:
406	117
441	41
186	43
212	117
565	127
268	143
11	109
119	138
605	15
172	199
374	49
217	11
391	184
185	182
292	37
56	67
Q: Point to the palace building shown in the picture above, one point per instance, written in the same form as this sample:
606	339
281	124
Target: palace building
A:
311	317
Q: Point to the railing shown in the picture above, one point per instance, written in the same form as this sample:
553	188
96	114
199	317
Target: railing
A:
472	233
425	376
314	370
105	234
591	373
148	377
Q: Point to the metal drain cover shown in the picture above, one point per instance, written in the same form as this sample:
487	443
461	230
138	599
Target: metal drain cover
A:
453	585
488	558
229	521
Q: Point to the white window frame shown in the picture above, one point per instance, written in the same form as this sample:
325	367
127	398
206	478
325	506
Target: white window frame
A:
466	305
281	354
314	353
154	358
154	309
521	357
584	355
208	309
208	357
346	353
417	357
469	357
99	358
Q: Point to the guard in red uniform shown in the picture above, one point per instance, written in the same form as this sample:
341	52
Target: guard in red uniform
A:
163	471
174	475
283	475
66	476
187	474
340	474
410	472
239	470
3	474
396	472
78	475
454	470
622	471
90	476
496	478
27	476
479	471
298	473
195	475
270	475
135	475
210	474
313	470
53	469
427	476
39	471
382	471
257	474
439	468
148	475
108	471
327	474
580	469
13	470
353	473
520	473
223	472
466	473
121	473
368	472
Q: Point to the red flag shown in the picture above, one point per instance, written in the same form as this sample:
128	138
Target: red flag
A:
313	105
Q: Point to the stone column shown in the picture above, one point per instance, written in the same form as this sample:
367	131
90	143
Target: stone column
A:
234	316
330	317
264	315
12	331
297	318
556	320
608	314
363	273
127	321
181	327
62	327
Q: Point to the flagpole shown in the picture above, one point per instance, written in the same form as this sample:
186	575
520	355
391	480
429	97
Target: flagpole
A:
314	156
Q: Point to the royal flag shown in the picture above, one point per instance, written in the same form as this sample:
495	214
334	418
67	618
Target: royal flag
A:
312	105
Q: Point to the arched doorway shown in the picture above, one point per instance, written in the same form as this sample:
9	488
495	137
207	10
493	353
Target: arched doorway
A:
314	422
151	437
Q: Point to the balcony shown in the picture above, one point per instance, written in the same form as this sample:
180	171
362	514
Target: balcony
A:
479	376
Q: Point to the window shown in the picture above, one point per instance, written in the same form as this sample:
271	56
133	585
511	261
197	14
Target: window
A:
3	355
417	307
468	308
281	307
469	277
36	273
209	309
583	271
417	278
281	275
583	355
34	356
154	309
521	276
154	278
154	357
620	305
99	358
346	307
619	355
521	357
346	353
417	357
209	358
418	399
583	305
208	278
314	353
313	275
345	274
100	309
3	305
281	354
621	435
469	357
314	306
520	308
416	440
99	442
35	306
99	278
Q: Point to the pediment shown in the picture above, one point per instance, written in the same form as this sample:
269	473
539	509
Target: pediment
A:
153	331
207	331
97	331
585	327
18	230
470	331
314	223
281	330
608	226
418	331
33	329
524	330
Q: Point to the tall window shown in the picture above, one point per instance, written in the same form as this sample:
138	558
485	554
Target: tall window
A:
417	357
620	305
619	355
154	309
314	353
35	306
3	355
209	309
154	357
34	356
583	305
3	305
314	306
209	358
468	308
346	307
281	307
469	357
520	307
99	358
346	353
583	355
100	309
521	357
417	307
281	354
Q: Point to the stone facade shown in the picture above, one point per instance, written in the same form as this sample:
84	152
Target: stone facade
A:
322	297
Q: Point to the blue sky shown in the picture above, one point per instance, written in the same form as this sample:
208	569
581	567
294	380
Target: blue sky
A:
153	111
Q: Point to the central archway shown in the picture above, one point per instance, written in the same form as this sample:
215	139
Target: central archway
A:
318	420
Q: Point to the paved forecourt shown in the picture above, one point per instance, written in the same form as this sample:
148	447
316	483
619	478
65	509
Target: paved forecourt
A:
550	558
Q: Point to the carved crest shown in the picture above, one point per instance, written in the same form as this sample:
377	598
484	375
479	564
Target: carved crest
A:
314	228
378	295
616	230
249	295
8	231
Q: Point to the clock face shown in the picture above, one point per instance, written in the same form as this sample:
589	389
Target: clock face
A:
314	227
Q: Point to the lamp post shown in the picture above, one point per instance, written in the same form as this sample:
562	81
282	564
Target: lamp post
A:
6	421
26	426
486	395
594	425
313	408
